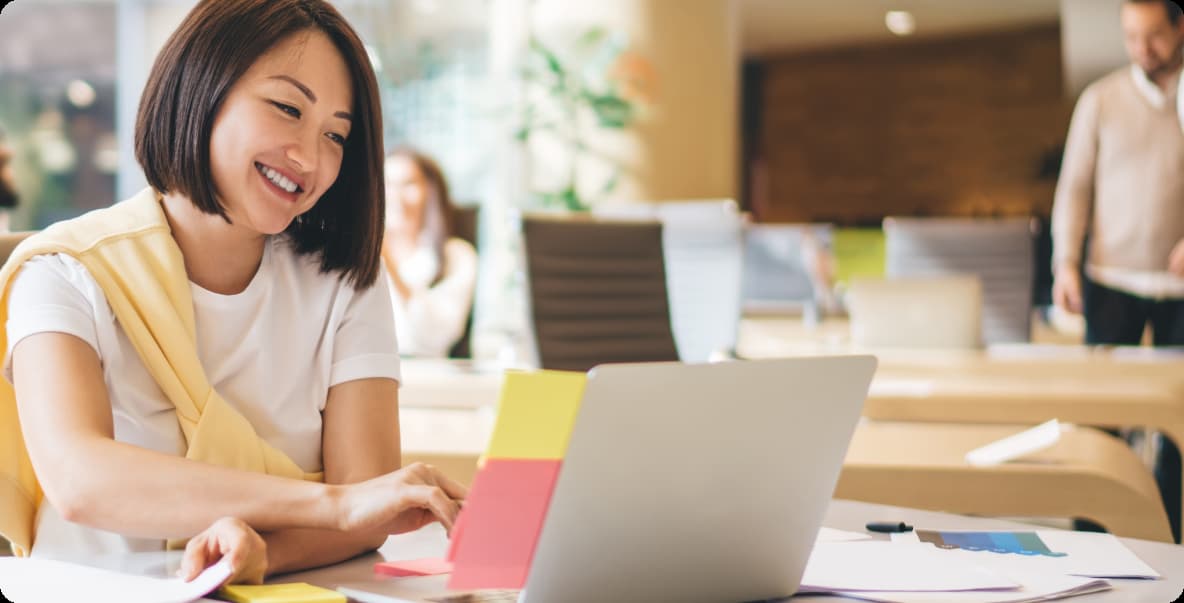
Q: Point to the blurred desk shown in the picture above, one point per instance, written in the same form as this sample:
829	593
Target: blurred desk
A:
441	383
1013	384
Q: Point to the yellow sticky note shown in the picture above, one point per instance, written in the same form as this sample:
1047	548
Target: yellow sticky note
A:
536	414
295	592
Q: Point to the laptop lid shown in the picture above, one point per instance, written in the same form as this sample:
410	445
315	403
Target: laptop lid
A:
919	312
688	482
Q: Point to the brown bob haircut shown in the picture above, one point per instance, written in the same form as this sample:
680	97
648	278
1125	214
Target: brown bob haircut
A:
211	49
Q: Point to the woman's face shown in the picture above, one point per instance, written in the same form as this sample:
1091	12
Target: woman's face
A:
278	139
407	191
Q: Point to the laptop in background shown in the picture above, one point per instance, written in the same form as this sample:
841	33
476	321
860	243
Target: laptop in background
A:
686	482
923	312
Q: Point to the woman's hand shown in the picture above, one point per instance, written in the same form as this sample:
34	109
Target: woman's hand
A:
230	539
402	501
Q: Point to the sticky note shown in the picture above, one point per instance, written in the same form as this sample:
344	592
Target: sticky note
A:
295	592
428	566
502	518
535	414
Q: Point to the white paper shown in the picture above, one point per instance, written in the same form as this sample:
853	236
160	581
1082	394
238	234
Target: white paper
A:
26	580
1087	554
888	386
826	534
1015	446
885	566
1036	587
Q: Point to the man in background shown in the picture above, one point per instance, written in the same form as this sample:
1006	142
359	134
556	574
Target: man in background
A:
1118	214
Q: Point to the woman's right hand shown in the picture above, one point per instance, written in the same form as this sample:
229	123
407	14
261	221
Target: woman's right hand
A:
402	501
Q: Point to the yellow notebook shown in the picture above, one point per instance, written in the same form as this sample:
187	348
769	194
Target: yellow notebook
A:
296	592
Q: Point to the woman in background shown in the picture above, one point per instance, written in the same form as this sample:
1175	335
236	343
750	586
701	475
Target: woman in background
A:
432	272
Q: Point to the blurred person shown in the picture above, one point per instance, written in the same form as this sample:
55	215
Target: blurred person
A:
432	272
219	346
1118	214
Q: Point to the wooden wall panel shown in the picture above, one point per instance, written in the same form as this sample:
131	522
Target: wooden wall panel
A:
951	127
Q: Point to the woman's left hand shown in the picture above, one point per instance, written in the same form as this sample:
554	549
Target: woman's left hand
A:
230	539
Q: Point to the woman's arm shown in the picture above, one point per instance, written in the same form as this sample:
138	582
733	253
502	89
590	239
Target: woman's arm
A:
92	479
360	440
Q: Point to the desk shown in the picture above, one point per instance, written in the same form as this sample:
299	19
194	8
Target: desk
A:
1167	559
1004	384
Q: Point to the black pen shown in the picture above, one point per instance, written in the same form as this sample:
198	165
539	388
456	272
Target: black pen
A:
889	527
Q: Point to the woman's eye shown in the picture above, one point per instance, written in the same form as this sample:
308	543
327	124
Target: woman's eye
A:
289	109
337	138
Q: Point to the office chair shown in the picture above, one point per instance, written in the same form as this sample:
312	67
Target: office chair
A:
703	245
597	291
998	251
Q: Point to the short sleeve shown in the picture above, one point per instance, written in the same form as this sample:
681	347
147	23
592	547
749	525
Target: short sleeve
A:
50	294
365	345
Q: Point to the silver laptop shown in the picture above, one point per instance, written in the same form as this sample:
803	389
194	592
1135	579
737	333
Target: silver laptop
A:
686	482
919	312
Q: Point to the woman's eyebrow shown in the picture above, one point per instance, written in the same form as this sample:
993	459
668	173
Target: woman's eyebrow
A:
309	93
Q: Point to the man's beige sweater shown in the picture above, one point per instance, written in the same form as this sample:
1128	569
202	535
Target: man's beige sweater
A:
1122	179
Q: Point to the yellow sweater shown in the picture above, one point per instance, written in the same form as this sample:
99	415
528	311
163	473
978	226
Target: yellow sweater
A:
130	252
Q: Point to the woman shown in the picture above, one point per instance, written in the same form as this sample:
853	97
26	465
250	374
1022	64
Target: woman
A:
432	273
215	346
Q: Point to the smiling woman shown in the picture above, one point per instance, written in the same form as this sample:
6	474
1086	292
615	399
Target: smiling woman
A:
215	346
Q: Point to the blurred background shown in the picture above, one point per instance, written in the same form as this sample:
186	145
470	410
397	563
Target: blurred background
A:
838	112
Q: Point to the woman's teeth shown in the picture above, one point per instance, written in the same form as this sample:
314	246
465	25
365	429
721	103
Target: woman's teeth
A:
276	178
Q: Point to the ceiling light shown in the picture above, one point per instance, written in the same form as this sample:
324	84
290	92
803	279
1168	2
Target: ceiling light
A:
900	22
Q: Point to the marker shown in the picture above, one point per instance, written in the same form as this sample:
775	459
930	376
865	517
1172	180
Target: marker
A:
889	527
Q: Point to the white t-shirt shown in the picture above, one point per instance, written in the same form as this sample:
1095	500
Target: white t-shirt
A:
433	318
272	351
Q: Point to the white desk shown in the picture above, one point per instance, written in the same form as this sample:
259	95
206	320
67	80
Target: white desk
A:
1167	559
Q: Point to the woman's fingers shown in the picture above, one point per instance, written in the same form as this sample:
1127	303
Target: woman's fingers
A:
196	558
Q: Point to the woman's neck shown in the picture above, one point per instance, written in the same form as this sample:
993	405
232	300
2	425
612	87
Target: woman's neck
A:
219	257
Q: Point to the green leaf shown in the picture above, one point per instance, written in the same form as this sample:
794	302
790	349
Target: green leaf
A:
611	111
552	61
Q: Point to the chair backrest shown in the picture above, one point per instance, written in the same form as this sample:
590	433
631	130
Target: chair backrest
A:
597	291
465	226
703	244
998	251
9	241
926	312
777	272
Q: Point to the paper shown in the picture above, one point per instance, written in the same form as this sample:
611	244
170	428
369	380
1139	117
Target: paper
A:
536	414
27	580
429	566
1087	554
1015	446
1035	587
826	534
296	592
500	523
888	387
885	566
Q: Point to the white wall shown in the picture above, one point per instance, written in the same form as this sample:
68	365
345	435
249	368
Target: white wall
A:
1091	41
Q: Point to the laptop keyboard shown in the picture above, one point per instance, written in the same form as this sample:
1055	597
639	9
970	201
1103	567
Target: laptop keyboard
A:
485	596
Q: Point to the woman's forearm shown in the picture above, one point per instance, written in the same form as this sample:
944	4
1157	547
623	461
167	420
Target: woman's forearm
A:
171	497
300	549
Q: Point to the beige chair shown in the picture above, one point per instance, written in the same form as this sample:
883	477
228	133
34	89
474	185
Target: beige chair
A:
597	291
1087	474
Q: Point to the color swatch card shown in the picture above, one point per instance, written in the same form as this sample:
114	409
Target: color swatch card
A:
296	592
494	539
428	566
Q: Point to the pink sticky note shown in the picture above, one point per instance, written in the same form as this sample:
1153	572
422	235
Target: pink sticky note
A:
428	566
503	515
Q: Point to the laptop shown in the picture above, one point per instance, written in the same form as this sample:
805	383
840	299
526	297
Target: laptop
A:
685	482
921	312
